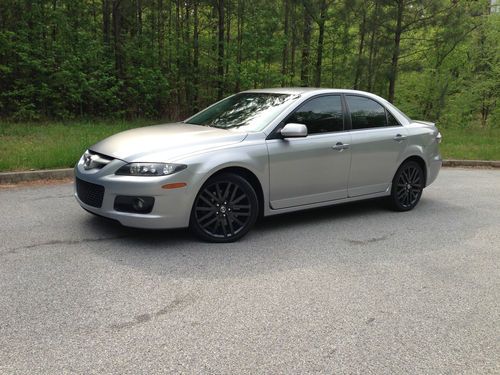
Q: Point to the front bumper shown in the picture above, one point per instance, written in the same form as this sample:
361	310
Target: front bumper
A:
171	209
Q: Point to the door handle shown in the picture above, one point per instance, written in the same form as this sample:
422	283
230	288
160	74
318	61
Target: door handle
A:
339	146
399	137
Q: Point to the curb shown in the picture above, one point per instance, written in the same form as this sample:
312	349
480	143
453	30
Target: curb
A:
58	174
471	163
46	174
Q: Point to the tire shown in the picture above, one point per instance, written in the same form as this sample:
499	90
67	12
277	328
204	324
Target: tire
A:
407	186
225	209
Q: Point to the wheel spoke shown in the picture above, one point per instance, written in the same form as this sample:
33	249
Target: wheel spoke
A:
416	178
413	171
241	206
241	213
206	216
202	208
240	198
226	192
230	224
208	223
207	201
414	195
213	196
405	176
219	193
217	223
238	221
224	230
233	193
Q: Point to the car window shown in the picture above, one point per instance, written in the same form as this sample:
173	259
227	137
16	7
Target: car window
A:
251	110
320	115
366	113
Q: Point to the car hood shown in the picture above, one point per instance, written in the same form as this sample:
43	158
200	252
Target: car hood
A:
165	143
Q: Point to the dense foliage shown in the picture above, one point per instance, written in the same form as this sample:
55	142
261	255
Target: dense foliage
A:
59	59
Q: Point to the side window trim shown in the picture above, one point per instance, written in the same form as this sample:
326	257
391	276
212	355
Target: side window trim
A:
347	114
275	133
387	113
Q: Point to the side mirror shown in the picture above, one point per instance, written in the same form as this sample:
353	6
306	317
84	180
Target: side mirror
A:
292	130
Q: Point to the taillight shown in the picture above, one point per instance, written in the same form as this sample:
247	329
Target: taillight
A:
439	137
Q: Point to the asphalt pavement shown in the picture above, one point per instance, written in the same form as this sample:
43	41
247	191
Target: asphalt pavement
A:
340	290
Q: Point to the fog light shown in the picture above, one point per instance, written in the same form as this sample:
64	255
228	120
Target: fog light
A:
139	205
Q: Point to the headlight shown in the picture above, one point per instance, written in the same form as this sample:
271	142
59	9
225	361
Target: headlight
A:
150	169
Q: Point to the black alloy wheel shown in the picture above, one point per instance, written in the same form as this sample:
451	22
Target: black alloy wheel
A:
225	209
407	186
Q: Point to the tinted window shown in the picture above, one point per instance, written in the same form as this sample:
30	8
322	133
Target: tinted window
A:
366	113
320	115
253	110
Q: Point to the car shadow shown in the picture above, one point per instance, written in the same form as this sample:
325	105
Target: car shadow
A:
321	214
112	228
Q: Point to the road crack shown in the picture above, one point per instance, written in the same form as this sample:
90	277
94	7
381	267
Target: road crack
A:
63	242
369	240
177	304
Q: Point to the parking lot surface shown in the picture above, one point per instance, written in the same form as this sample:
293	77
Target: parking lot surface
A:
346	289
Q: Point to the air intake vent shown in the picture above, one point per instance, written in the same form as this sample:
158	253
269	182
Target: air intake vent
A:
90	194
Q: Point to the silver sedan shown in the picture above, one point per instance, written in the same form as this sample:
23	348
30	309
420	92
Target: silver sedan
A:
259	153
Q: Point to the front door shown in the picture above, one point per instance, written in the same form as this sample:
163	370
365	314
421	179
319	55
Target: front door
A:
315	168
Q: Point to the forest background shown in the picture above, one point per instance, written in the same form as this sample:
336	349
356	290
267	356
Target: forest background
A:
72	71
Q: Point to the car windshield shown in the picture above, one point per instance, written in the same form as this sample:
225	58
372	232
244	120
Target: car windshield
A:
252	110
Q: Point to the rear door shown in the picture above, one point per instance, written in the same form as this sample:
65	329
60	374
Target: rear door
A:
315	168
377	142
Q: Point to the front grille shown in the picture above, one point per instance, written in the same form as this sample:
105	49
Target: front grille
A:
88	193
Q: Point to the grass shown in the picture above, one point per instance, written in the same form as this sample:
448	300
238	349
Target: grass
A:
52	145
60	145
471	144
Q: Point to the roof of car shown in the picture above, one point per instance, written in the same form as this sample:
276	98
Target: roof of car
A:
304	90
286	90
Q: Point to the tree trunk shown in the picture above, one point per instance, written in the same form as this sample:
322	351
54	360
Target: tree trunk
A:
160	33
117	31
362	31
220	50
106	21
228	36
396	50
284	59
196	56
239	41
187	58
306	49
138	8
294	45
319	50
372	54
